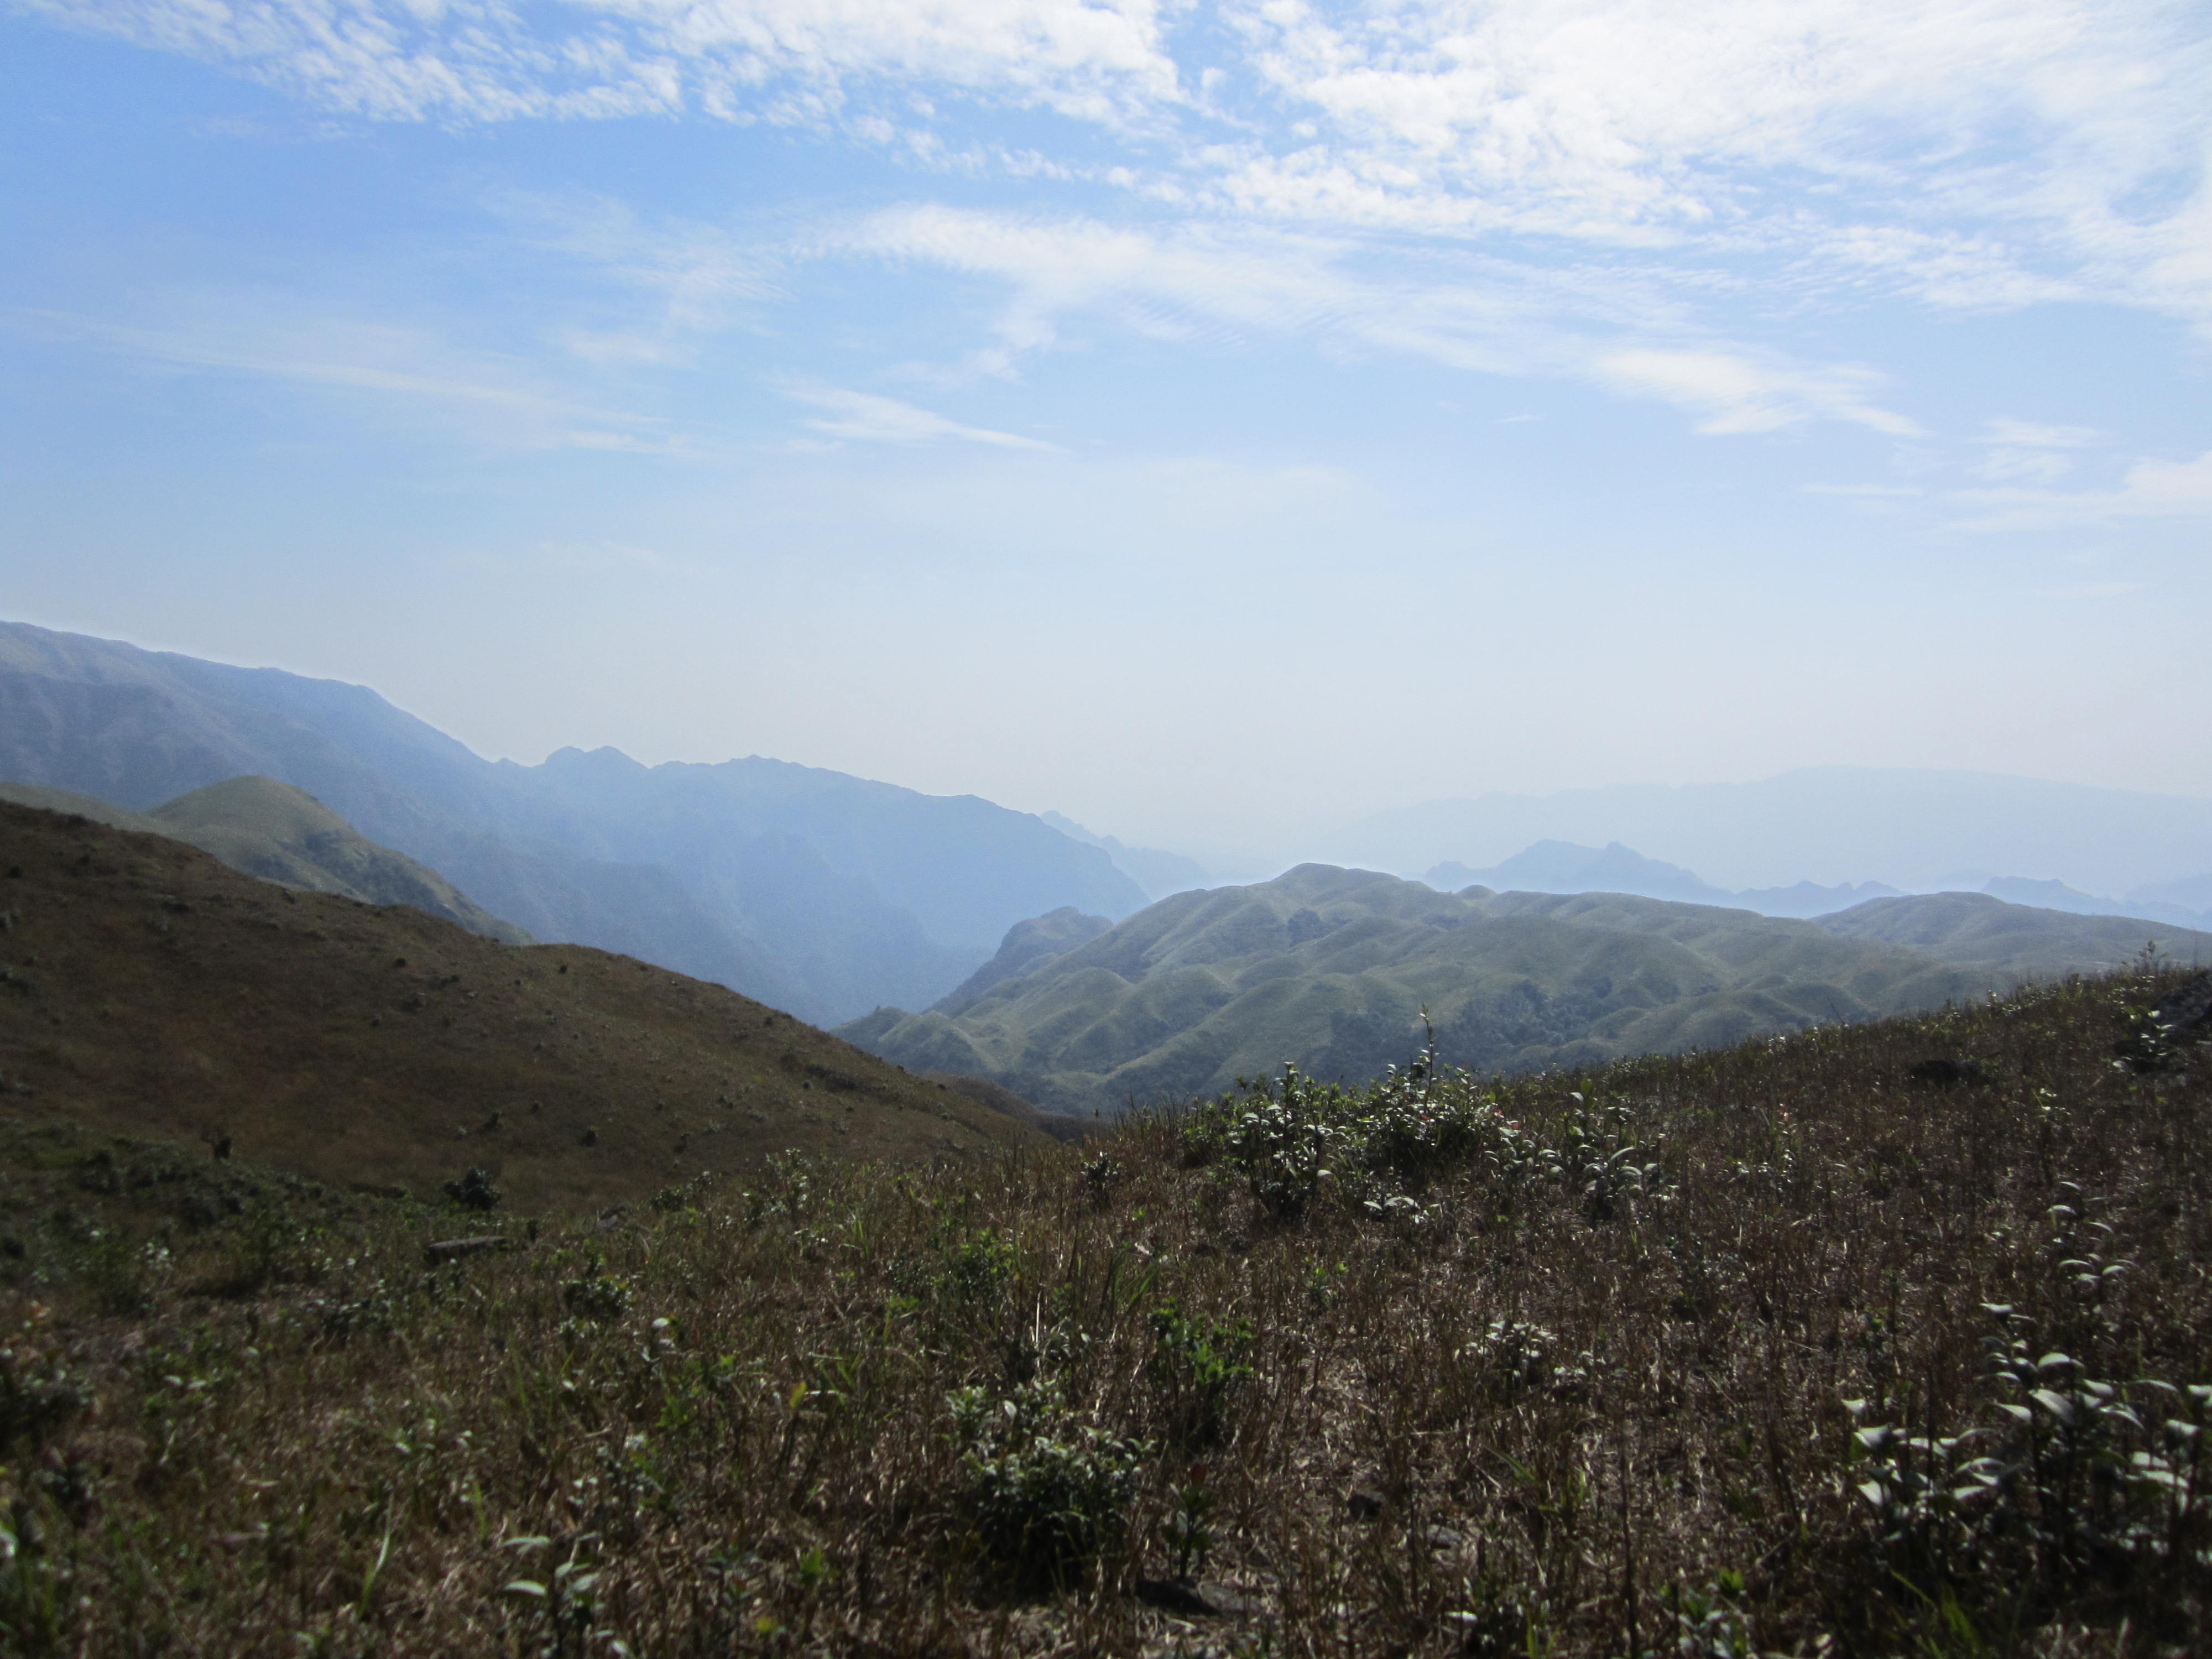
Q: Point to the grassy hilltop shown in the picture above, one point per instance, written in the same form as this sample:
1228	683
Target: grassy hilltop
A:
150	990
1892	1338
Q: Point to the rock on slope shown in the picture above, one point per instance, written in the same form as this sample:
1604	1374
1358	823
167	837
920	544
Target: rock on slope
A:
146	989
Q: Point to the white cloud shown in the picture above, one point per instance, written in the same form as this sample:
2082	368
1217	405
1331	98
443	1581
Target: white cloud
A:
867	418
1601	189
1979	152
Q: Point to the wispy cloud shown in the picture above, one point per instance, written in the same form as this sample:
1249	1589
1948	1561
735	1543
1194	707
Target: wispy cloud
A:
1604	191
1735	394
2151	488
792	61
865	418
1227	284
1980	153
497	401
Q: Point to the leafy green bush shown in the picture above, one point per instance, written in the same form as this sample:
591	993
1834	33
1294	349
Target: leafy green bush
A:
1198	1364
2072	1484
1293	1137
1046	1492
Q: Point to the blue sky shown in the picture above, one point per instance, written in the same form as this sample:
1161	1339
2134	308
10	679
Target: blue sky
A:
1192	417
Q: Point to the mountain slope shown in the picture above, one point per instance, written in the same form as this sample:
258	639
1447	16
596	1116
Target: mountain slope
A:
822	893
148	990
1331	967
1986	934
270	830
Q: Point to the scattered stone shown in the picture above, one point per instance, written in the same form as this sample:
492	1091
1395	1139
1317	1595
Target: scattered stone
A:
453	1249
1194	1598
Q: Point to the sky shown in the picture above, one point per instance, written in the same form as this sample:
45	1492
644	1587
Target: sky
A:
1191	418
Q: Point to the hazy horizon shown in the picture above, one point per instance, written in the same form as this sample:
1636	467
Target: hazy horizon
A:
1826	825
1181	417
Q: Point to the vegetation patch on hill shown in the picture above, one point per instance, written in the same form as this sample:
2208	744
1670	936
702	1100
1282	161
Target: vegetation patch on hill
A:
1867	1339
150	990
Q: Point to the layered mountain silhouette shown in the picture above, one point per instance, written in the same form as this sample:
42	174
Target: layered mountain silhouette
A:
263	827
1560	866
1159	874
814	891
1331	968
1918	829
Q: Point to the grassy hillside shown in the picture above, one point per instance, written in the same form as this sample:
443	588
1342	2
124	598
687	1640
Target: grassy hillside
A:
282	834
150	990
1868	1341
1331	967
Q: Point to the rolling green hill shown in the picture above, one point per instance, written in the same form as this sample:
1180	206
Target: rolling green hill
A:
1331	968
147	989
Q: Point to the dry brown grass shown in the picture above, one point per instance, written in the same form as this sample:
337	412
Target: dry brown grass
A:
1536	1407
153	991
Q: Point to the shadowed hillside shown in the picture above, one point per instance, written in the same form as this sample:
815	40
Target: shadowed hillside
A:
148	989
270	830
1331	968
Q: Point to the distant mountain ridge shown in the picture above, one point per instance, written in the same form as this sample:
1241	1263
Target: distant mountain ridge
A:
1331	967
1559	866
808	889
1160	874
1918	829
